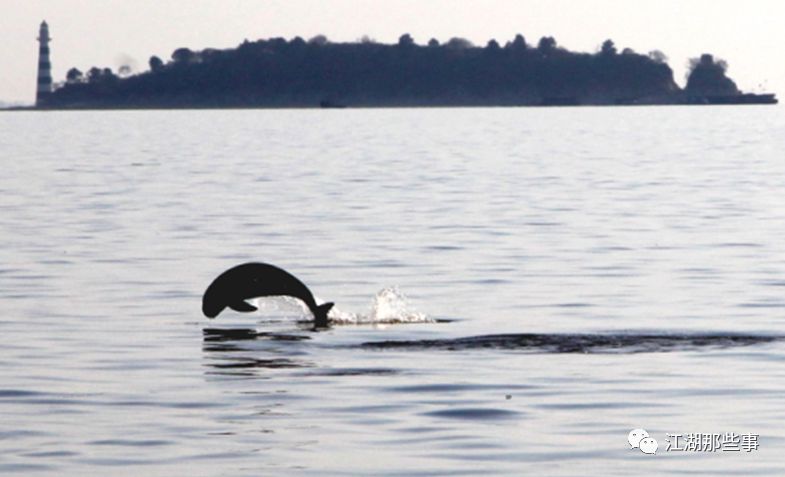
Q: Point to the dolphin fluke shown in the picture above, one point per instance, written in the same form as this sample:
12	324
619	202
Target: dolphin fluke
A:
320	315
253	280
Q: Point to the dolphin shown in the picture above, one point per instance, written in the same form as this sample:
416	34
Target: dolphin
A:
251	280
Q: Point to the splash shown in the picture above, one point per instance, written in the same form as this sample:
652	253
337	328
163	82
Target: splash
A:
281	309
389	306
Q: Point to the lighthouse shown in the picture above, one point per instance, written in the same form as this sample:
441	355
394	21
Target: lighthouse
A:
44	66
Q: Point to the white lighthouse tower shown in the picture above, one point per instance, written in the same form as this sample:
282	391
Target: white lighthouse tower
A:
44	66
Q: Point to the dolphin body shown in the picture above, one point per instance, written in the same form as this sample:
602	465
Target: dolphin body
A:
251	280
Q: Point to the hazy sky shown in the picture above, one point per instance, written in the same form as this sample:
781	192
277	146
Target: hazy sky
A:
749	34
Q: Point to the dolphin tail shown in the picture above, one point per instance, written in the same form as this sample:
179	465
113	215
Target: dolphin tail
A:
320	315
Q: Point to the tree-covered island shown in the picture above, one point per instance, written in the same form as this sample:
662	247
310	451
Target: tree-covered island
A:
317	72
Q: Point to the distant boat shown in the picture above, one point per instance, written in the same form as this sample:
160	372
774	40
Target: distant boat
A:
327	104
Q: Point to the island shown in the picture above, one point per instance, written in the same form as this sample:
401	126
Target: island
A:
276	72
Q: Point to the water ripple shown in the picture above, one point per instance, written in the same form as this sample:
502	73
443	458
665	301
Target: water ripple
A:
474	414
580	343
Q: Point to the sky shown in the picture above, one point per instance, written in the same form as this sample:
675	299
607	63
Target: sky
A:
749	34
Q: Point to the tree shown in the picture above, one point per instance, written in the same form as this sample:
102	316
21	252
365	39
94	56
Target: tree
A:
183	55
458	43
94	74
406	40
706	76
74	76
124	70
608	48
518	44
492	46
156	64
319	40
433	43
546	45
658	56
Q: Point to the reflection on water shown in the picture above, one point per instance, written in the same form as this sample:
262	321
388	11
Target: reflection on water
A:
227	355
219	335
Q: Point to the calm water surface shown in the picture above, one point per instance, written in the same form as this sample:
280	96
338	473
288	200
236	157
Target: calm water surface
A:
623	223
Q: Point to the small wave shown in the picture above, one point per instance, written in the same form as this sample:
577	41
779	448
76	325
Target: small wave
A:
474	414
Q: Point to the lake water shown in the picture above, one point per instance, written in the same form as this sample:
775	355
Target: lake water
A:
632	246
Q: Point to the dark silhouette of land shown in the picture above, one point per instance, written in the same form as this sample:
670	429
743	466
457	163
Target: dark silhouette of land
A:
252	280
318	73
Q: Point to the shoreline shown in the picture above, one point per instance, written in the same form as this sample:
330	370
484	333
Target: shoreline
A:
401	106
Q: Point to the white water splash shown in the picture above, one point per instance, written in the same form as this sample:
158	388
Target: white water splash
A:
280	308
389	306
